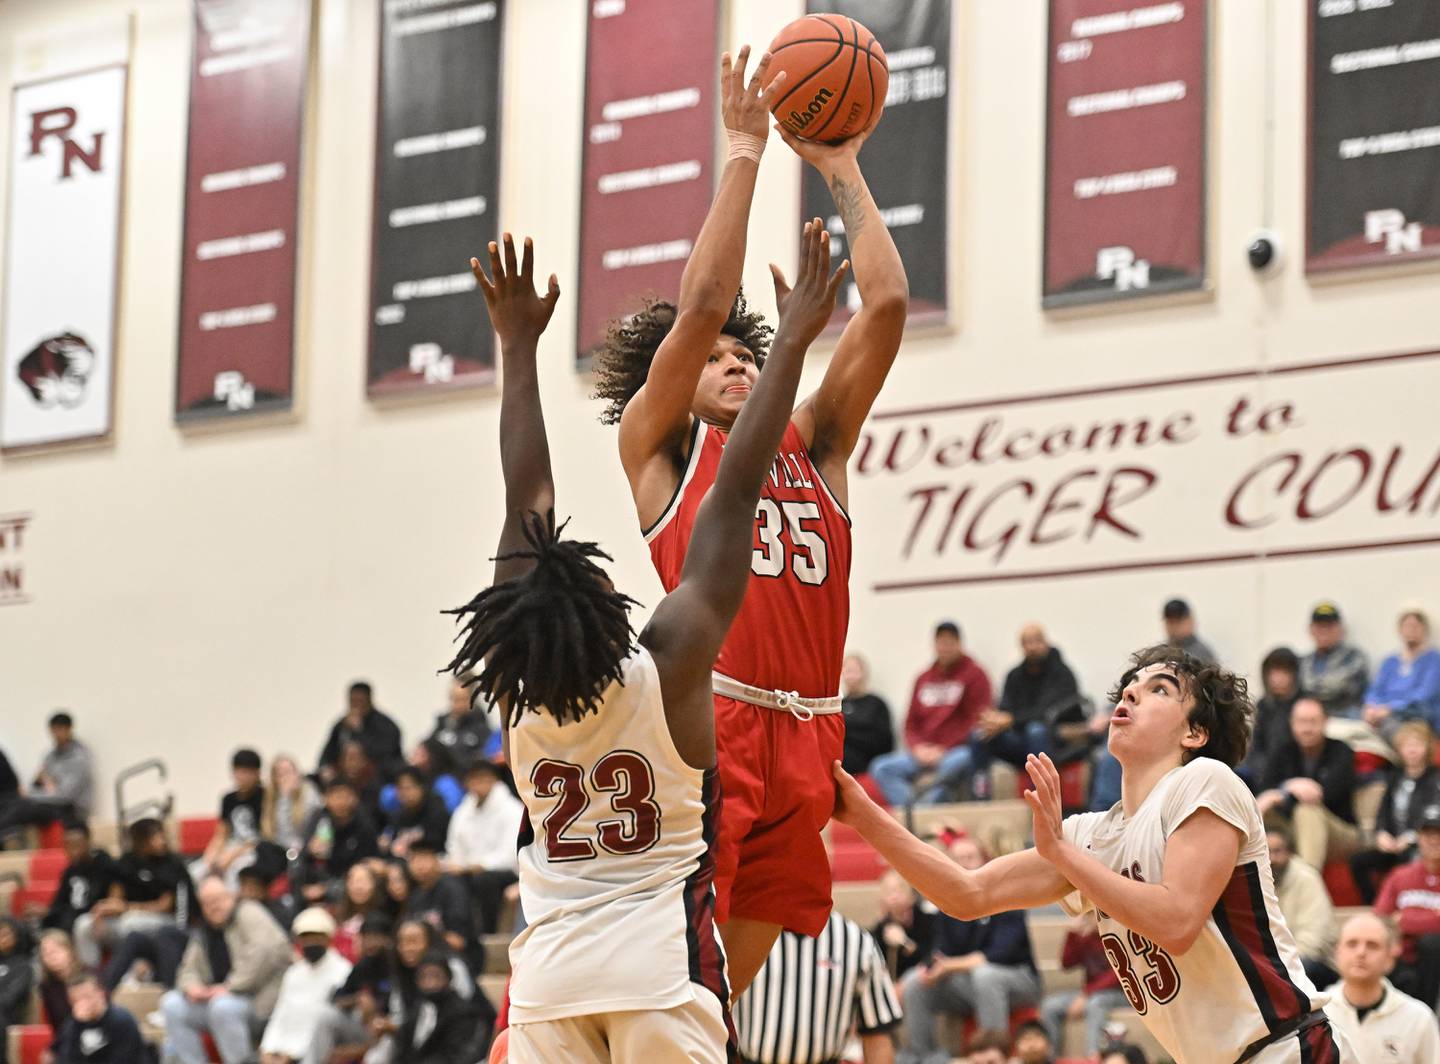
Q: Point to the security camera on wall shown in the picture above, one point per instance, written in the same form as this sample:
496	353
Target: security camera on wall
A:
1265	252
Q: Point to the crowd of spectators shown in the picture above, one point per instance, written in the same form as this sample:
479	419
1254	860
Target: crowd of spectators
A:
338	913
1326	729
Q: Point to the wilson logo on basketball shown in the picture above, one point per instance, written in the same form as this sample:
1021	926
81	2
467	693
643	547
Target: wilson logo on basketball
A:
798	120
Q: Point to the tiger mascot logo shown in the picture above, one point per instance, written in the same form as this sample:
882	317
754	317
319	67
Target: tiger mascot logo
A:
57	370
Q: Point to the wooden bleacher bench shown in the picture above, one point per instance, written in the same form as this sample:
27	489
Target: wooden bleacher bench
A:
497	954
1001	826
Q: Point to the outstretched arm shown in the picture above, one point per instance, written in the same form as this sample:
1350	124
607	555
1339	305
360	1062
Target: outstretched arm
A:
519	317
658	416
831	418
1021	880
691	622
1200	857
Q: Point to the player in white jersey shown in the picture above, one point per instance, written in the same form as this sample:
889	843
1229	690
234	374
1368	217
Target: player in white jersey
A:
1178	872
612	739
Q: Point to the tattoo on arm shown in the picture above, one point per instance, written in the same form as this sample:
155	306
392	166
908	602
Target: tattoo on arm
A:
850	202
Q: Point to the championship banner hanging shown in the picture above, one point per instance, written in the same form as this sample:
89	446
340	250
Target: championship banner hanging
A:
1125	150
650	72
242	193
1374	123
907	159
67	153
437	178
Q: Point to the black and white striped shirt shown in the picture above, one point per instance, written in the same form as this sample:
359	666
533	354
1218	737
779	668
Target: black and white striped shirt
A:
801	1007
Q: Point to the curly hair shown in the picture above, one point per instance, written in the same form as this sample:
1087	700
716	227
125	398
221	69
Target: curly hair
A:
553	639
1222	703
622	362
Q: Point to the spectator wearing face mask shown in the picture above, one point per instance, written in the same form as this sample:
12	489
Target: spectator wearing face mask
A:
362	998
305	991
444	1028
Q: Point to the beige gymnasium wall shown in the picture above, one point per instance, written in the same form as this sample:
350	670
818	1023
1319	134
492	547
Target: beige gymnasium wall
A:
193	591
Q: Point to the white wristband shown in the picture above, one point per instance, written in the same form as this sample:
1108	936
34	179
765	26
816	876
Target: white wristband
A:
744	146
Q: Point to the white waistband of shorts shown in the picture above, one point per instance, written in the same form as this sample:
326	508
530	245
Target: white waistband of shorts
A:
786	701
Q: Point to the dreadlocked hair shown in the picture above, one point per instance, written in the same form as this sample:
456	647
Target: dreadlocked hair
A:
622	362
1222	703
553	639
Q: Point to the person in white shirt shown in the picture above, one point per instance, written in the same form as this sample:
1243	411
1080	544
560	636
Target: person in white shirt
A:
305	991
1384	1025
483	841
1178	872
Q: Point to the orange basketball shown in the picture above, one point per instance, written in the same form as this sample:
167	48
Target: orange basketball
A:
500	1048
837	77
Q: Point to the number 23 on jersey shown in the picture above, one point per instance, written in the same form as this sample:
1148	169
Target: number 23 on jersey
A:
629	781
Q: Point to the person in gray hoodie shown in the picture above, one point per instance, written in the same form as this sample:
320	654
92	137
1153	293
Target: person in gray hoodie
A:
64	786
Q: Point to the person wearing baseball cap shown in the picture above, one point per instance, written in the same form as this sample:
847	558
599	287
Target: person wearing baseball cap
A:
1412	896
305	991
1336	672
1180	631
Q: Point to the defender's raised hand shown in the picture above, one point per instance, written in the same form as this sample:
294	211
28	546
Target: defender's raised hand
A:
746	109
516	311
806	308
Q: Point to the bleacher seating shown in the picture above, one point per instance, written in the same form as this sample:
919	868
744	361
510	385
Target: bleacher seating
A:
28	1044
195	834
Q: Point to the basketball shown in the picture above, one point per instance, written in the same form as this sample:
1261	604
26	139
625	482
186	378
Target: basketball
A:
837	77
500	1048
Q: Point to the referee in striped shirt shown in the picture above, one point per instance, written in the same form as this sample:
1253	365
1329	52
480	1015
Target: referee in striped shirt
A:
810	994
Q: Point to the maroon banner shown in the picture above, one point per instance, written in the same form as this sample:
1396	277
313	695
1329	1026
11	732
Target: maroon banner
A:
1125	150
242	191
650	72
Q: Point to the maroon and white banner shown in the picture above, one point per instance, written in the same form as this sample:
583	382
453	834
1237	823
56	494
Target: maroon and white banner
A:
650	73
67	153
1310	458
1125	150
242	192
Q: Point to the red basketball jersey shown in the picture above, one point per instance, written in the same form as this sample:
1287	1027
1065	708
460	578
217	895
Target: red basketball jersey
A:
790	632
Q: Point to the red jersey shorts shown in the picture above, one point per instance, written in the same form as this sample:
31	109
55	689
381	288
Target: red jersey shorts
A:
778	792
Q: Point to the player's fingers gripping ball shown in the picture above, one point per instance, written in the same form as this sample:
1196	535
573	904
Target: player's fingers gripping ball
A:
836	77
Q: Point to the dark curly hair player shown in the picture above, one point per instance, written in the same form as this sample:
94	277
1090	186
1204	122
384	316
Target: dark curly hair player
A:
611	735
674	379
1178	873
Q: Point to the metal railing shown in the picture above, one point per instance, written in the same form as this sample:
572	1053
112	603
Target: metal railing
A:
159	808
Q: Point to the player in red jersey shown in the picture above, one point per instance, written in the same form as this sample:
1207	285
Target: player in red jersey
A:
676	378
